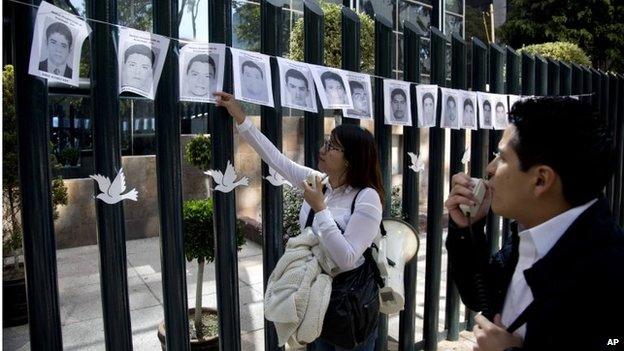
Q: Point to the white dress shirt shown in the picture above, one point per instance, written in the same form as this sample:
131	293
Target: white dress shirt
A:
534	244
360	229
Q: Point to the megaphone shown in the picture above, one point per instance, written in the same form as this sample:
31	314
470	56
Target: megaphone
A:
398	246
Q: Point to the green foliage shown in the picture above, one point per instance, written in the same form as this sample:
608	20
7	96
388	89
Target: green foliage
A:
248	28
293	199
199	238
59	195
197	152
332	53
69	156
396	203
566	52
596	26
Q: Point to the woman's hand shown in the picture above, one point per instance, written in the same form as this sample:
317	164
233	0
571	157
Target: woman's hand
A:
234	108
314	198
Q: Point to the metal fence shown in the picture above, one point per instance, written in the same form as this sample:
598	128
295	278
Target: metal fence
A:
502	68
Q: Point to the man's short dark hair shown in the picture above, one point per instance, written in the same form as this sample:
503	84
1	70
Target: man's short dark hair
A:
331	75
398	91
427	96
487	103
582	153
500	104
468	102
60	28
203	58
253	65
295	74
450	98
141	50
355	85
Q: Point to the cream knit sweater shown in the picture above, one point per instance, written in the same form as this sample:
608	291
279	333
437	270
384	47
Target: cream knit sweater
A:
297	293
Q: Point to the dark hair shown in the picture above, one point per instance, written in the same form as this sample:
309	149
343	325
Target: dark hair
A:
293	73
487	103
450	98
360	151
331	75
251	64
468	102
501	105
398	91
141	50
202	58
355	85
60	28
427	96
582	152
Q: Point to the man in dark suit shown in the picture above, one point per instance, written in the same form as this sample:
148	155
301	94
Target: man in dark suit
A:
558	282
58	43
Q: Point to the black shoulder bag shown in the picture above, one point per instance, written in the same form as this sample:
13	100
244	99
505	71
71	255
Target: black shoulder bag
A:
353	310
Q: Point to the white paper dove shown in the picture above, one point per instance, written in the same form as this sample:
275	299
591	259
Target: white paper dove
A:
226	182
276	179
112	193
417	163
466	157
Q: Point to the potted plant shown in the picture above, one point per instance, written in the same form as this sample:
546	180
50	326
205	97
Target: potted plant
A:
199	242
15	310
70	156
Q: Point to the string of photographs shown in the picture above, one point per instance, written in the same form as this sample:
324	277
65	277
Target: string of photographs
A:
59	35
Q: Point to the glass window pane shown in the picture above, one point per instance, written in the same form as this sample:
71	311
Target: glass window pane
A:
194	21
138	126
136	14
399	45
425	57
246	25
454	6
453	24
383	7
415	13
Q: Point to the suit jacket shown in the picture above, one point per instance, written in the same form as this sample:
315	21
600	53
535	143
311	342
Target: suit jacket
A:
578	286
43	66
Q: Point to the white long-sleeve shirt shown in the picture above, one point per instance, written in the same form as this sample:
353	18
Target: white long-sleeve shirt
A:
534	244
360	228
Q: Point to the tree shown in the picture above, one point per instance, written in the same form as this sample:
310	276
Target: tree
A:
596	26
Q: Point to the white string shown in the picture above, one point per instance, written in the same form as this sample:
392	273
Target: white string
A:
185	41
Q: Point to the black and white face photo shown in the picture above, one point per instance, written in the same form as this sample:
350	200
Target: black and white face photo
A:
398	101
297	88
138	67
334	88
253	80
468	119
360	98
200	76
57	49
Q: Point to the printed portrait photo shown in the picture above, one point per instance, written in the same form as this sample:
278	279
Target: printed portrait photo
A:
500	110
468	110
361	95
485	110
201	71
297	85
252	77
332	87
450	108
397	104
426	104
137	70
56	53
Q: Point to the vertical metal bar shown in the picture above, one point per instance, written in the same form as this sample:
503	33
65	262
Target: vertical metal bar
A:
596	89
528	74
541	76
587	84
383	136
271	127
458	145
350	47
604	115
313	19
620	152
553	77
611	123
39	244
226	263
434	201
512	86
496	86
616	83
565	79
411	181
107	161
577	79
479	139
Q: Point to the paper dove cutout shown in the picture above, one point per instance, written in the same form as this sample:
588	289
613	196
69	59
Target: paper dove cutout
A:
276	179
466	157
225	182
417	163
112	193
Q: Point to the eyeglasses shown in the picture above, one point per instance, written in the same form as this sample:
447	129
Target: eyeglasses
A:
328	146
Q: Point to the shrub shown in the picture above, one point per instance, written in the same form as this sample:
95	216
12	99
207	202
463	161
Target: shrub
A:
69	156
332	53
197	152
559	50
